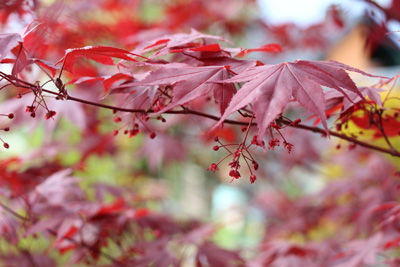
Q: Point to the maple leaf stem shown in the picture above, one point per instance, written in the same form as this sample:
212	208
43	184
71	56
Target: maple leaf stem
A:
247	132
62	67
248	165
19	53
225	147
28	255
6	208
382	130
391	89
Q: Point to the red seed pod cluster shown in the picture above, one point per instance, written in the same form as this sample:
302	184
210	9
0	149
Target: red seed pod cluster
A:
50	114
213	167
234	173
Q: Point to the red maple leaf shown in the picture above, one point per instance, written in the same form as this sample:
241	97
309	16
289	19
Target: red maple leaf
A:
100	54
191	83
270	88
168	43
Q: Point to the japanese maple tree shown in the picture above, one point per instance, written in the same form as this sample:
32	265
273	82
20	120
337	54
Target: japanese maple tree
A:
90	82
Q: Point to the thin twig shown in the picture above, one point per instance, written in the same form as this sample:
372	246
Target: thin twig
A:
394	153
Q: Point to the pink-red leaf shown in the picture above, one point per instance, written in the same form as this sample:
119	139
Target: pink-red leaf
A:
110	81
191	83
264	48
100	54
270	87
7	42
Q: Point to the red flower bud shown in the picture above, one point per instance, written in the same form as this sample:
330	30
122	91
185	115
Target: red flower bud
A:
255	165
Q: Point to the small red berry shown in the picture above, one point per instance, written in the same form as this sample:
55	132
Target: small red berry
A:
215	148
255	165
33	114
253	178
115	132
6	129
6	145
153	135
216	139
117	119
11	116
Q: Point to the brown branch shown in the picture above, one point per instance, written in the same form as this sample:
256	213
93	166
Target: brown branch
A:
392	152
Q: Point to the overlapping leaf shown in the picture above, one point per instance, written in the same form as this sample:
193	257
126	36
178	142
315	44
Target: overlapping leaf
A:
100	54
270	87
7	42
191	83
168	43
